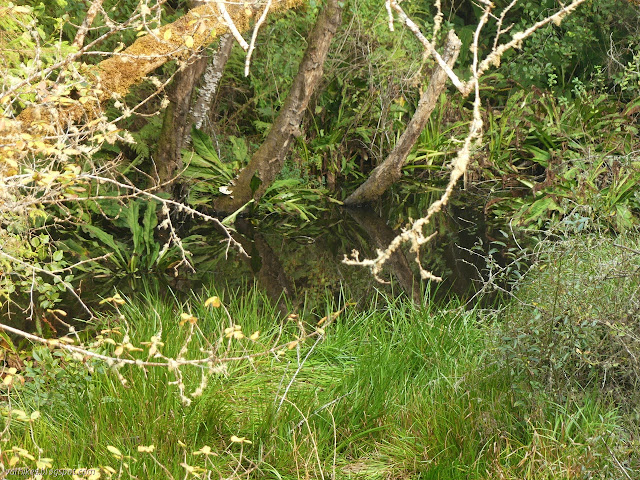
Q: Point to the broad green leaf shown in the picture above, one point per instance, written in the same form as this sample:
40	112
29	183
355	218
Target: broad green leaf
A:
540	207
149	223
539	155
132	217
203	146
232	218
106	239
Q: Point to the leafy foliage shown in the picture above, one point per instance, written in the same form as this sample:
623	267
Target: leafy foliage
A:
20	284
26	46
577	331
592	45
205	172
209	176
126	245
555	157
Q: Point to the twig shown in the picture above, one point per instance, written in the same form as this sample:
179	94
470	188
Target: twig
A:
180	206
254	35
86	23
295	374
637	252
232	26
170	363
617	462
52	274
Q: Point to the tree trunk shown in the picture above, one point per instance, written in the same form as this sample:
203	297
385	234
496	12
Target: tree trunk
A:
168	159
268	160
390	171
78	41
182	112
210	80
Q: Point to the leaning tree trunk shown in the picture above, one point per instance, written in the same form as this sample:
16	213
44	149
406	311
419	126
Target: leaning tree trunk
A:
78	41
268	160
390	171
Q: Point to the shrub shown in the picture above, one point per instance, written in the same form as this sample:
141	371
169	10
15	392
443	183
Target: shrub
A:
575	325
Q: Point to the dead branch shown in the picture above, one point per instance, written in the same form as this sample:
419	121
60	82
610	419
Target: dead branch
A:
95	7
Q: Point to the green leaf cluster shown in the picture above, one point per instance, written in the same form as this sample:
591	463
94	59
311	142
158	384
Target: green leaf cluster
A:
126	243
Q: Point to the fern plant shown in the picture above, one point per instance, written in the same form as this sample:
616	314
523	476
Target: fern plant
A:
127	244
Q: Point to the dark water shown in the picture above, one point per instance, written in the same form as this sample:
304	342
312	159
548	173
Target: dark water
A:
300	264
303	263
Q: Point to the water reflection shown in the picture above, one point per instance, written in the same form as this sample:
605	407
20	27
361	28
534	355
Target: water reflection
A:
380	236
265	264
300	263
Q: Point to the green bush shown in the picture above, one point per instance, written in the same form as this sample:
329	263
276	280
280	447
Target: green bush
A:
575	326
550	157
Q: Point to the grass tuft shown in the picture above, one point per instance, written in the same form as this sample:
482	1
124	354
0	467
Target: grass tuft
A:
394	392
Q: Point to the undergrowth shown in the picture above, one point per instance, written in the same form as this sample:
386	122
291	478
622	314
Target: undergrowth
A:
395	392
574	326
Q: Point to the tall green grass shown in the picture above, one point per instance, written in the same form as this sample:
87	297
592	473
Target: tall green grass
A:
396	392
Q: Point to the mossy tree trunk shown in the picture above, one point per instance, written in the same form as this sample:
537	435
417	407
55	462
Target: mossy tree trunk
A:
390	171
268	160
167	158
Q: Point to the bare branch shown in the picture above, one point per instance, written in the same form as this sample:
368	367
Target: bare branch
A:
414	236
96	5
231	25
254	35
